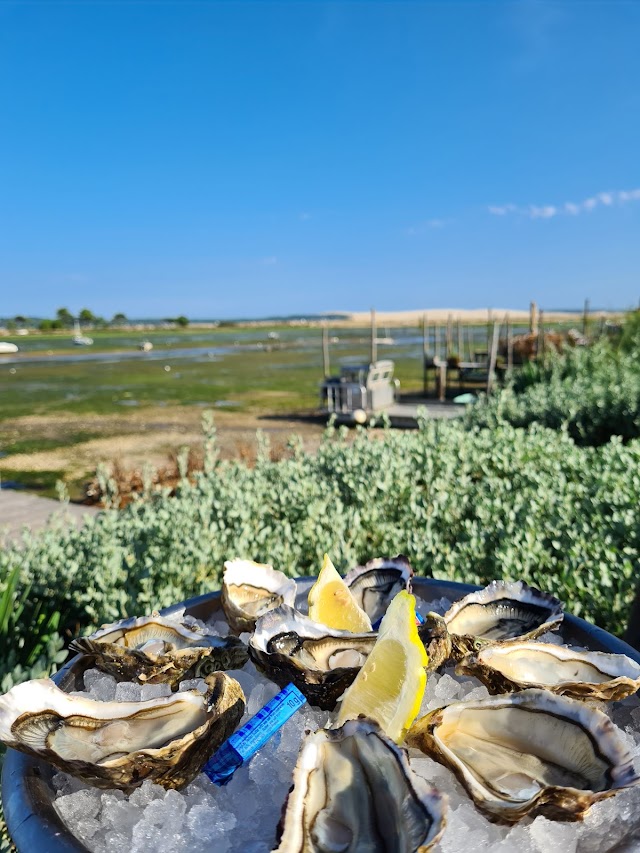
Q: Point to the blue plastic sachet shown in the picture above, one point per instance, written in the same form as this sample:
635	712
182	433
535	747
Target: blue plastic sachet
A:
255	733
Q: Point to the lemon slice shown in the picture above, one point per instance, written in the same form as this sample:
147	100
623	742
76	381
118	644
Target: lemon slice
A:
390	686
331	602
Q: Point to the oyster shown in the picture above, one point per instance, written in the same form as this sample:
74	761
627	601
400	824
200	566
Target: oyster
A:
353	790
572	672
320	661
529	752
158	649
376	583
249	590
501	611
120	744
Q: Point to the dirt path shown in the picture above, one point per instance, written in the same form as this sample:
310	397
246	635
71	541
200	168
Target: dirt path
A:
148	435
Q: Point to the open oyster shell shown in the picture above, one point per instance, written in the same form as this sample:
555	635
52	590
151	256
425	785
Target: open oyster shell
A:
528	752
120	744
156	649
320	661
572	672
249	590
353	790
501	611
375	584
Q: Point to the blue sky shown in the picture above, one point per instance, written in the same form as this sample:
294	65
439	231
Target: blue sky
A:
230	158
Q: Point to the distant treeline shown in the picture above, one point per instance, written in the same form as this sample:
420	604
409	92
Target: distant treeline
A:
64	319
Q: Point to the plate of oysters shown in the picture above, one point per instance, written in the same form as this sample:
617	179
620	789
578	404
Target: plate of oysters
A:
436	718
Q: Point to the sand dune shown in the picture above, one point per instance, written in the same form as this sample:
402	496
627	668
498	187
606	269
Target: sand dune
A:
441	315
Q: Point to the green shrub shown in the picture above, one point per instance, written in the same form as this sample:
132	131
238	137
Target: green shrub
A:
466	505
593	393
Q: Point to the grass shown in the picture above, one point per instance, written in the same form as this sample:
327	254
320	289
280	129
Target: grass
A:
281	377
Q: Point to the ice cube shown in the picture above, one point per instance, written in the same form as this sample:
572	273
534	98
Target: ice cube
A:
154	691
198	684
128	691
84	803
101	686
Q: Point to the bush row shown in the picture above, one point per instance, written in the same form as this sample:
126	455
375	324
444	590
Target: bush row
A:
463	504
592	393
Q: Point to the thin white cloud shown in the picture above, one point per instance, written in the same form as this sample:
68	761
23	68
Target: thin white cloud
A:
569	208
428	225
269	261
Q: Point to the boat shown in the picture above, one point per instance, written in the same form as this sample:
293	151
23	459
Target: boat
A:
6	347
80	340
145	346
273	336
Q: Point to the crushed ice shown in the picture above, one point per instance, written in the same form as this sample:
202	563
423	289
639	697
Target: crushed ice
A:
243	815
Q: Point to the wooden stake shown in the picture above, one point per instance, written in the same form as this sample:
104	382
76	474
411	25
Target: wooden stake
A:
325	351
494	356
425	349
585	317
533	318
374	342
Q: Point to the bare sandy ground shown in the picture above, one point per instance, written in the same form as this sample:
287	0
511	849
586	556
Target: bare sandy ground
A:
148	436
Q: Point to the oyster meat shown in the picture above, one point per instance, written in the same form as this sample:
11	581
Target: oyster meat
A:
375	584
120	744
320	661
529	752
156	649
501	611
249	590
353	790
572	672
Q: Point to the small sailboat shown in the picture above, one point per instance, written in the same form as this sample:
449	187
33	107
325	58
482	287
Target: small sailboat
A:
80	340
145	346
6	347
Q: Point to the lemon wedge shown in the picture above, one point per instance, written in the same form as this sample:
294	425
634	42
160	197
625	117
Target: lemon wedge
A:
390	686
331	602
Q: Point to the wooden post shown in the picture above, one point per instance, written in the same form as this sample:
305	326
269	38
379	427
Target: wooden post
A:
602	324
585	317
425	349
489	320
493	357
533	318
436	340
374	342
325	351
449	334
509	344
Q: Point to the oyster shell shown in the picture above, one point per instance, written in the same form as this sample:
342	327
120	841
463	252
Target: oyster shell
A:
572	672
320	661
529	752
156	649
120	744
501	611
376	583
354	790
249	590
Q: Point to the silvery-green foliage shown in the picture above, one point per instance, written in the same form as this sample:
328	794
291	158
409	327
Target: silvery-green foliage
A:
592	393
463	504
